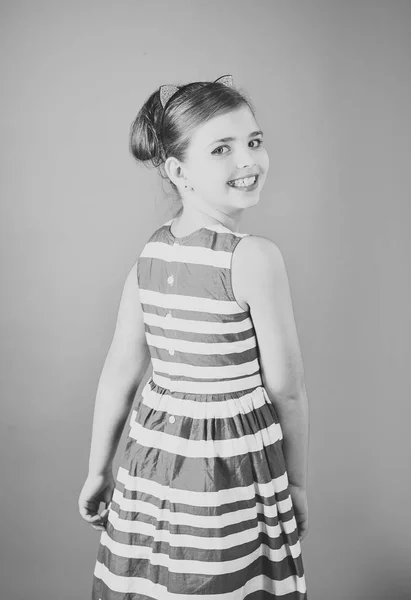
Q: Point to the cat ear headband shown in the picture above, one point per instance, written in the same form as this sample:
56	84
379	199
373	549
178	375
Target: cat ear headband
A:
168	90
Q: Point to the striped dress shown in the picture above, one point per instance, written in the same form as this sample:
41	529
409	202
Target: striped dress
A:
201	506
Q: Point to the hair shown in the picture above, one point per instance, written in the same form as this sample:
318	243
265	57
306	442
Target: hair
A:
157	133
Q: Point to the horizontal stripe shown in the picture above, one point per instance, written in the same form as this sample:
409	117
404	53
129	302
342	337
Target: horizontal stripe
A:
202	409
213	554
102	592
185	541
200	347
207	387
210	499
133	516
141	585
179	519
203	499
196	315
197	255
279	564
205	474
186	302
205	448
265	491
189	325
173	367
138	528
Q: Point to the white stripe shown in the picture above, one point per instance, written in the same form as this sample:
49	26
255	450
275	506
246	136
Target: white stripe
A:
186	302
208	521
137	551
214	372
207	387
195	566
141	585
205	542
237	346
198	255
210	327
203	498
195	409
175	444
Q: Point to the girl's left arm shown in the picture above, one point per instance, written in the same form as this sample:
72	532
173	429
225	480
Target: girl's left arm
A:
124	368
262	280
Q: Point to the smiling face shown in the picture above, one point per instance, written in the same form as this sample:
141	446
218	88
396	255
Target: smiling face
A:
212	163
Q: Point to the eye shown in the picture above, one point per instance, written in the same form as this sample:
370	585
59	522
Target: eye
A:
219	148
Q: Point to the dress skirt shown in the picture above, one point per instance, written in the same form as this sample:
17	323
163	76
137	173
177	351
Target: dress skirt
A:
201	506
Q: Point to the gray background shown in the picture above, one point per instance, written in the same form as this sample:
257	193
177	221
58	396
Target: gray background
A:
331	85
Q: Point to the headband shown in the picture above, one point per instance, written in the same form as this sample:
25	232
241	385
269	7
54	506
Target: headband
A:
168	90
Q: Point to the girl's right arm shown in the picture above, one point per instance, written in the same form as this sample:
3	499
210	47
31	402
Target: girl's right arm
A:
124	368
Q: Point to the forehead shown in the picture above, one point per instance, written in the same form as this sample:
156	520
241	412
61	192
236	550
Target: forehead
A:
236	123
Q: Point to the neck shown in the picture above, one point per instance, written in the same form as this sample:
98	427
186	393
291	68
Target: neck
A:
194	217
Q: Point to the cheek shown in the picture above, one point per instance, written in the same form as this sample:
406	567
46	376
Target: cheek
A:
264	160
212	178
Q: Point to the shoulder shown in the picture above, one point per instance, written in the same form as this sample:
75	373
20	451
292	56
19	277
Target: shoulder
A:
257	251
258	265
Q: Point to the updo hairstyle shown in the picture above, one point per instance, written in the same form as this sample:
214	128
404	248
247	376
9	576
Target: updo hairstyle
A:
157	133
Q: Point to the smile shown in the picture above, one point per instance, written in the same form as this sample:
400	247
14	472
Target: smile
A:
248	183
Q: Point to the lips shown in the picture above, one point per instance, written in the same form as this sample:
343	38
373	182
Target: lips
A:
245	188
244	177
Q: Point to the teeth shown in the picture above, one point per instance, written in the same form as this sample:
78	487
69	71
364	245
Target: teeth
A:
243	182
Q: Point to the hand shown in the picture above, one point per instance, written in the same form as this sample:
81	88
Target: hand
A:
300	503
96	489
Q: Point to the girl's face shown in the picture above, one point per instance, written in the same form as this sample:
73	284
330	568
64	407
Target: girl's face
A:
212	163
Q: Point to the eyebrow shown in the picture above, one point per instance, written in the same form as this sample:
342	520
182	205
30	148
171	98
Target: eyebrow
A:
231	139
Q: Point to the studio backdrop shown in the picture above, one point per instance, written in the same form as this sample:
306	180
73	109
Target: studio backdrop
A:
330	82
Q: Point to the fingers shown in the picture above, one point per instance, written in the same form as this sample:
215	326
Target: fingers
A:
87	508
96	520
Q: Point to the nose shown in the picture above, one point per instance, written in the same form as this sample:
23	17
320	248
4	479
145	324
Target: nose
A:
246	160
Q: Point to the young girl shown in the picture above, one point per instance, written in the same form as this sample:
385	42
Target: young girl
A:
210	498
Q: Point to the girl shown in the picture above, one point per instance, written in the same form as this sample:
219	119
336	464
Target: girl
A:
210	498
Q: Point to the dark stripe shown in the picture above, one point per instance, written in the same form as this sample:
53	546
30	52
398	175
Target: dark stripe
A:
214	397
197	583
199	474
205	360
194	336
195	315
199	280
263	595
101	591
190	530
220	509
226	428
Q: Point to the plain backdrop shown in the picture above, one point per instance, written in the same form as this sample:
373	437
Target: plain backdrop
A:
330	81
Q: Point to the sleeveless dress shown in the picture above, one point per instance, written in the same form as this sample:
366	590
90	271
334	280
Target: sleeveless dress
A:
201	507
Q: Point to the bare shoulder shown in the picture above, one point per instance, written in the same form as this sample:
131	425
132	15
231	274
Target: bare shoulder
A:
257	260
260	279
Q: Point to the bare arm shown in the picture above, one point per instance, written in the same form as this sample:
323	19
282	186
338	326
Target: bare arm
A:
124	368
260	273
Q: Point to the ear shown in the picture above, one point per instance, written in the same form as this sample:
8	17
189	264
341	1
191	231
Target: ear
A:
225	80
166	91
